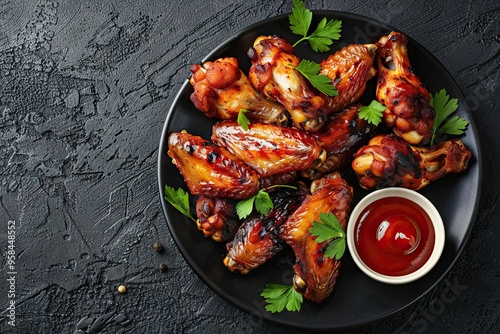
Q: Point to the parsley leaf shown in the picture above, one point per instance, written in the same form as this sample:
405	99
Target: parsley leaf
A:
179	200
262	201
310	70
243	119
324	35
372	113
330	228
444	107
454	126
300	19
279	297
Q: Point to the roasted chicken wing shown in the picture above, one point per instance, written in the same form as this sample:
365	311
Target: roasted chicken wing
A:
268	149
221	90
388	161
256	241
210	170
407	101
343	134
349	69
315	275
277	179
273	74
217	218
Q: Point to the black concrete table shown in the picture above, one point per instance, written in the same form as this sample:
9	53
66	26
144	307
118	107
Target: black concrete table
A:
84	90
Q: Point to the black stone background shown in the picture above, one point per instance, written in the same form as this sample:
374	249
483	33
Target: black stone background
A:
84	89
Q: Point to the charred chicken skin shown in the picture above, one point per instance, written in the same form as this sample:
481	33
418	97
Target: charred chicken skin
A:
343	134
210	170
406	99
273	74
349	69
388	161
256	241
316	275
221	90
217	218
268	149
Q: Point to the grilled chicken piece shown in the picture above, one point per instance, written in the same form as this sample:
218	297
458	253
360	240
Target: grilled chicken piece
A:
268	149
221	90
217	218
406	99
349	69
210	170
273	74
316	275
343	134
388	161
256	241
277	179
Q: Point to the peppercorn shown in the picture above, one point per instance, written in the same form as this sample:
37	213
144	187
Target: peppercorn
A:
163	267
157	246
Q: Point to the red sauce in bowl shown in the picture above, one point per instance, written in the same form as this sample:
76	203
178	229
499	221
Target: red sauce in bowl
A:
394	236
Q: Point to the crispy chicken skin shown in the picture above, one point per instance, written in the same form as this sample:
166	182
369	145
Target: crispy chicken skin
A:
210	170
349	69
217	218
388	161
316	275
343	134
268	149
273	74
221	90
406	99
256	241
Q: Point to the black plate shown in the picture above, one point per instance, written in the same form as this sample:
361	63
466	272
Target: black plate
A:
356	299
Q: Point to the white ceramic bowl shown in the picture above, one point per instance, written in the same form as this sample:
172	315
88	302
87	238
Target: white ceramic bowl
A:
426	205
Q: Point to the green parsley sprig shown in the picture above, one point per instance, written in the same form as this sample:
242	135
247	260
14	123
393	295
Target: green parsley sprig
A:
372	113
279	296
444	107
310	70
261	200
321	38
243	119
179	200
329	228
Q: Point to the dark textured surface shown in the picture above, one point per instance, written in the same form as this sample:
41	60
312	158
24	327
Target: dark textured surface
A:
84	88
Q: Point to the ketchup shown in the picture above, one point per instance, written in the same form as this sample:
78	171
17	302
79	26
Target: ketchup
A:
394	236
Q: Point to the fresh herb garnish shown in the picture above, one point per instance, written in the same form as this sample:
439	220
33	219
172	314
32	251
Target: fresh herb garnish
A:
444	107
279	296
179	200
310	70
243	119
372	113
329	228
262	201
321	38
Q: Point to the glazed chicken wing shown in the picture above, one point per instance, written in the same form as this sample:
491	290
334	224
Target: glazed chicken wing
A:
343	134
217	218
256	241
221	90
388	161
316	275
349	69
210	170
273	74
406	99
268	149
